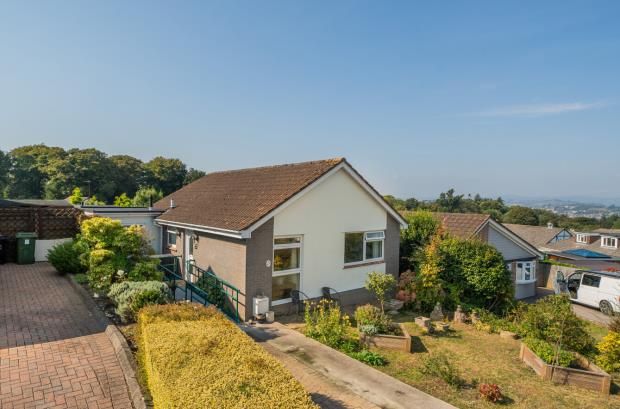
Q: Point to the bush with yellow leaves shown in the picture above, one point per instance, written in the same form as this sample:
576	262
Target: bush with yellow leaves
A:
194	357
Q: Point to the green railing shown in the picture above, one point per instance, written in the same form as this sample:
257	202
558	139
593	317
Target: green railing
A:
201	286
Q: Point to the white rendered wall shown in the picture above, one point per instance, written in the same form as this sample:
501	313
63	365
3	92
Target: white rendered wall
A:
322	216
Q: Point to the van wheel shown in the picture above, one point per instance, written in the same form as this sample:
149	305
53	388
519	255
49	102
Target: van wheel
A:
606	308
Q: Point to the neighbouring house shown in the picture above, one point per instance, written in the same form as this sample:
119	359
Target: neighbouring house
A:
521	257
540	237
271	230
128	216
595	249
53	221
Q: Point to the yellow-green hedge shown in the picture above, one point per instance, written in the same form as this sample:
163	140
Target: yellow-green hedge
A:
194	357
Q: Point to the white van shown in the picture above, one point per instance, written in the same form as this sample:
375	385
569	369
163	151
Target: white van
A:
599	289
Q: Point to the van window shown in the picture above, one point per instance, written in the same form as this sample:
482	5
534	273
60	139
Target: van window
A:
591	281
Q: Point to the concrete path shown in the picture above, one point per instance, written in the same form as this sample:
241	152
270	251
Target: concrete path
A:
342	371
53	349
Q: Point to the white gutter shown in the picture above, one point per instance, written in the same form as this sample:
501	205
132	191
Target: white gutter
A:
244	234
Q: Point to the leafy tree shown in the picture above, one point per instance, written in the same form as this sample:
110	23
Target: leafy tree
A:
449	202
30	169
144	196
412	203
421	226
76	196
521	215
128	173
166	174
380	284
91	170
193	175
396	203
122	201
93	201
5	166
428	283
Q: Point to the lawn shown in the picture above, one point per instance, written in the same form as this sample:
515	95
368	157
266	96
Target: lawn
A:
487	358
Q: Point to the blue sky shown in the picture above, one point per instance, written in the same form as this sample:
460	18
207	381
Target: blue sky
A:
501	98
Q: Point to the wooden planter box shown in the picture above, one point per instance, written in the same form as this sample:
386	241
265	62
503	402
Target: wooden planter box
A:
395	342
594	378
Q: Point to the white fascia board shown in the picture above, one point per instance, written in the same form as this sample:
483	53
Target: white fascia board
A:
514	238
204	229
343	165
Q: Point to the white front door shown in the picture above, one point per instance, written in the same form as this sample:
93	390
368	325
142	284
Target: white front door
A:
188	252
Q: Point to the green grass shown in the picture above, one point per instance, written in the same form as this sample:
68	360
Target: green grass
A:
487	358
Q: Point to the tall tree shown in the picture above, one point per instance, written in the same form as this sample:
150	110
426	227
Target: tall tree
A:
166	174
521	215
31	167
5	167
129	174
449	202
193	175
146	195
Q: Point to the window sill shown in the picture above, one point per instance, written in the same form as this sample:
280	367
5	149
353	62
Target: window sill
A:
363	264
526	281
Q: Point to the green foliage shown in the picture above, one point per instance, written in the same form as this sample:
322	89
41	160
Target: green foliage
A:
215	292
122	200
166	175
326	323
491	323
144	196
65	257
474	273
429	288
421	227
521	215
93	201
81	278
552	319
372	319
380	284
193	175
609	352
614	324
369	357
550	353
145	270
76	196
130	296
439	365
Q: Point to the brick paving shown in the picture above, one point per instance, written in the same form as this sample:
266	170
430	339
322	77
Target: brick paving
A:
53	349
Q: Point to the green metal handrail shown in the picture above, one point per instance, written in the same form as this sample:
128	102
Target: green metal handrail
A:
201	286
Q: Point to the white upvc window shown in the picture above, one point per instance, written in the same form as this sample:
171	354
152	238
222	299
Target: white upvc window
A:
582	238
609	242
171	238
526	272
360	247
286	268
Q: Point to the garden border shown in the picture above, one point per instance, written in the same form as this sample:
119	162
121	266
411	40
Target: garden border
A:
594	379
395	342
121	348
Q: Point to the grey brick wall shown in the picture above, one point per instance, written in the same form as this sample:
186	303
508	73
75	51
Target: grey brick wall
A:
258	275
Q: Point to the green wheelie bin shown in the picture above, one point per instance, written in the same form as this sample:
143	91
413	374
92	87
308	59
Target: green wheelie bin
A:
25	247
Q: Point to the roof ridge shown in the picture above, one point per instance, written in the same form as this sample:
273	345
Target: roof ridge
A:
332	161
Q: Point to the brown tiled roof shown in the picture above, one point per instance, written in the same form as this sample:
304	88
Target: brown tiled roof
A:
538	236
462	225
236	199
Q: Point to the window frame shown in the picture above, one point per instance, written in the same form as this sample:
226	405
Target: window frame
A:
594	277
610	238
581	238
176	237
292	271
520	278
366	239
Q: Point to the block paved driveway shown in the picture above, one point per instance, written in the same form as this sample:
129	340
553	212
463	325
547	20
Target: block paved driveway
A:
53	349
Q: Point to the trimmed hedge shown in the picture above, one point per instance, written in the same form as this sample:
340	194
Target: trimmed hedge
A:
194	357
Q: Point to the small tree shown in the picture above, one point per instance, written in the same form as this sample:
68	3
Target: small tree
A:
428	284
380	285
122	201
94	201
145	195
76	196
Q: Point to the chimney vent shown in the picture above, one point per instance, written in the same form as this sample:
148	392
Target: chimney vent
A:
550	225
172	205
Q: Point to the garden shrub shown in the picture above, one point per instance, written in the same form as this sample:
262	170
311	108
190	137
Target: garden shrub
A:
81	278
130	296
491	323
609	352
65	257
438	364
614	325
369	315
552	319
380	284
369	358
215	293
421	227
326	323
490	392
549	353
194	358
145	270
